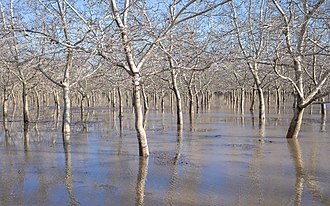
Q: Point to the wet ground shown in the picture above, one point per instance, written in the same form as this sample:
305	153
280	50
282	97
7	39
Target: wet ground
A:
220	158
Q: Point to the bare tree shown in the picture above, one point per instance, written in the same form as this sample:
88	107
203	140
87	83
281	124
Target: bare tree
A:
300	43
62	38
20	59
141	30
251	31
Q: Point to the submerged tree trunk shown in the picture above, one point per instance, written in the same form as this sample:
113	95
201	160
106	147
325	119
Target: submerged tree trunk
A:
191	101
162	101
155	97
198	103
82	108
5	111
25	104
114	98
268	100
242	100
178	98
38	104
323	108
141	133
252	100
278	100
261	106
66	109
120	103
295	123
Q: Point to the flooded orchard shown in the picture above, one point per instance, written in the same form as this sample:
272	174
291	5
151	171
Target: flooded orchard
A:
219	157
171	102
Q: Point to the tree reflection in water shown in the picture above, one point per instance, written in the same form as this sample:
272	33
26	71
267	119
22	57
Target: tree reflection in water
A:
296	155
323	123
302	176
141	180
68	171
26	137
174	169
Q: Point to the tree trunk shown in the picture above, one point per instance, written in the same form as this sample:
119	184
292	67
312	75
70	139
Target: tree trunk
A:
114	98
5	110
172	102
242	100
237	100
45	99
162	102
120	103
323	107
261	106
283	97
109	98
278	100
128	99
268	100
82	108
295	99
191	102
234	100
252	100
145	99
66	109
156	100
57	105
198	103
38	103
323	123
94	98
295	123
178	98
25	104
141	133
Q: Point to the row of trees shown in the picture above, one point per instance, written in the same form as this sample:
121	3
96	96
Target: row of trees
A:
192	47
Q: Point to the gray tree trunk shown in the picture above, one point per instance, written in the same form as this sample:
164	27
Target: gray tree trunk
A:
252	100
120	103
145	99
178	98
141	133
295	123
278	100
25	104
38	103
57	106
261	106
66	109
191	102
5	112
323	107
242	100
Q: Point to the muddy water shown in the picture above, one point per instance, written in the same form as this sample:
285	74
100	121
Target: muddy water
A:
221	158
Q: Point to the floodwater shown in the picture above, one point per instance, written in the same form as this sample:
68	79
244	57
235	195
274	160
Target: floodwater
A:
220	158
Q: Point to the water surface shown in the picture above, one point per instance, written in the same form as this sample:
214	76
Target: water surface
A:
220	158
